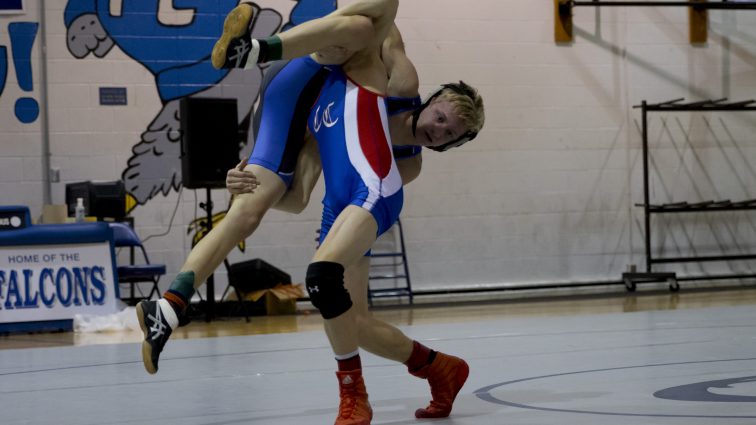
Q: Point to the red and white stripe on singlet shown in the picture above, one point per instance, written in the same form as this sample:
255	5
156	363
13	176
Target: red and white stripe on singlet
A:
369	142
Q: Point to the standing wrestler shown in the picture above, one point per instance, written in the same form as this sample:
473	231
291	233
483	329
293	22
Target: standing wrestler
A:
363	199
404	111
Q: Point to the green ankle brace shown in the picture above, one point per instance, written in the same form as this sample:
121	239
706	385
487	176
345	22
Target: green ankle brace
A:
183	284
274	50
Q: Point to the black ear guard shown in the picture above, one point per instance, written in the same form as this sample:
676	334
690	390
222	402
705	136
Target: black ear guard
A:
459	88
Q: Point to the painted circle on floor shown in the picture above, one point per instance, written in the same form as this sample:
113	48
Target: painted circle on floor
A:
727	390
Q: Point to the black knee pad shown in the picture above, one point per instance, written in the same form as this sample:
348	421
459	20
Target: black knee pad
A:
325	284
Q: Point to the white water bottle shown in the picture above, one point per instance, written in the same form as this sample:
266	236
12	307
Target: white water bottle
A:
79	211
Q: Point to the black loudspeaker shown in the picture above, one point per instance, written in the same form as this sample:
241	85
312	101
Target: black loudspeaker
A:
210	141
108	199
254	275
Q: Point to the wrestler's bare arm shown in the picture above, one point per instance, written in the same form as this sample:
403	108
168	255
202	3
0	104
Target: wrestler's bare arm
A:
403	78
240	181
409	168
403	82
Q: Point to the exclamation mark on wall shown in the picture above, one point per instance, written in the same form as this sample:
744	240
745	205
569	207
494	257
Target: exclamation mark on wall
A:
22	36
3	67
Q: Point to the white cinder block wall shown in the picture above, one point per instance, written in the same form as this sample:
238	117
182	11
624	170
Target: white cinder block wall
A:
545	194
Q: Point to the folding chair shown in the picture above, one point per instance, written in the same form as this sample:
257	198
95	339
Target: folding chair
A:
133	274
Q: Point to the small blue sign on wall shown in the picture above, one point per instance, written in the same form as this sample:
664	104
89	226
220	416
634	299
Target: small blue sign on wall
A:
11	6
113	96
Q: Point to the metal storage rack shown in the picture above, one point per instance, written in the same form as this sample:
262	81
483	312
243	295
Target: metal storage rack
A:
632	278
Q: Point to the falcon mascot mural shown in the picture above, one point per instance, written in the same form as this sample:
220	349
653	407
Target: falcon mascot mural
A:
173	40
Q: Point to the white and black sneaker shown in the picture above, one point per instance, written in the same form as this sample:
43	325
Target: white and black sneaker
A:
157	319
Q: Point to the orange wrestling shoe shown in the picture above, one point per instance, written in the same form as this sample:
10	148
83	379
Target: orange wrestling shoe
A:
446	376
354	408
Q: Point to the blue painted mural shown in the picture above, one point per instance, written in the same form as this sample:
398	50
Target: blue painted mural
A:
177	54
22	36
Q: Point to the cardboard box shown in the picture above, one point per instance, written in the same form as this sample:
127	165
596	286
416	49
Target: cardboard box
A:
54	214
281	299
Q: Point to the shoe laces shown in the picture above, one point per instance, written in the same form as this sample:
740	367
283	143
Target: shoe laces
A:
348	402
440	380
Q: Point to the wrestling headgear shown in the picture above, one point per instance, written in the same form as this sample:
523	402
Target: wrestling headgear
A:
459	88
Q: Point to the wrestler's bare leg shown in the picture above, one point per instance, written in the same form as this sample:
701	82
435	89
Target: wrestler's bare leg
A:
158	318
240	222
361	25
446	374
350	237
375	336
348	33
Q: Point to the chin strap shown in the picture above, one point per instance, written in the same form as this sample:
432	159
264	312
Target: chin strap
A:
459	88
416	115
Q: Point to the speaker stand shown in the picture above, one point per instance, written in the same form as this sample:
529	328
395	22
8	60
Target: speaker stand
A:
210	282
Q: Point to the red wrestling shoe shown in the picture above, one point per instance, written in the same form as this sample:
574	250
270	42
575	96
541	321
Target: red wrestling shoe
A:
446	376
354	408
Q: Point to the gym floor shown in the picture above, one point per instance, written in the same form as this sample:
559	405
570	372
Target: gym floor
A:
655	357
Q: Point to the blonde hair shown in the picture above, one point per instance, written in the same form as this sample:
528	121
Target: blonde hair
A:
467	104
